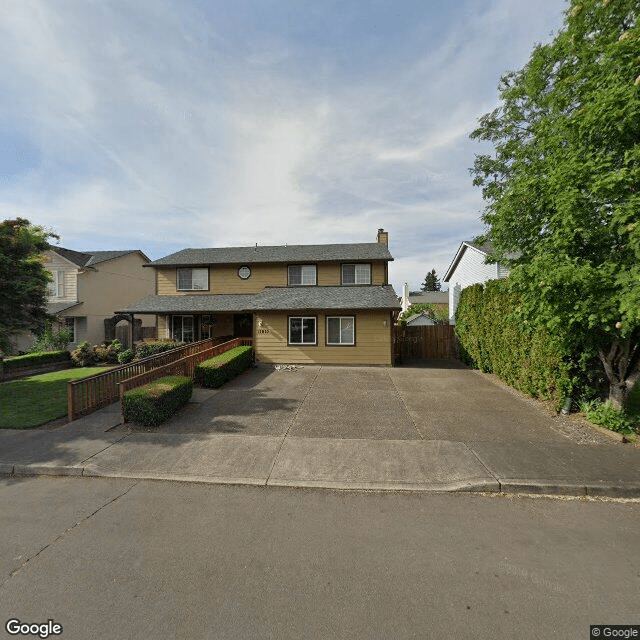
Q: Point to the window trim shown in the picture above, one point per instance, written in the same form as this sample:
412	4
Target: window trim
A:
355	284
178	269
306	264
302	344
339	344
240	268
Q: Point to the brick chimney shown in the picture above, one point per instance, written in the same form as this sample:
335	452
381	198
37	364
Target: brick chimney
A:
383	237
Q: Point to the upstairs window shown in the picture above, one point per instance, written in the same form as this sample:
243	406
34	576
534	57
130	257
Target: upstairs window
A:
301	275
193	279
356	274
56	286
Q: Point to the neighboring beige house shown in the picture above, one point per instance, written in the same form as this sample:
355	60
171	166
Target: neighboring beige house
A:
469	266
86	288
321	304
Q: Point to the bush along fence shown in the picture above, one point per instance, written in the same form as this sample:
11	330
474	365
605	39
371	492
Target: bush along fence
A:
155	402
89	394
213	373
33	364
491	340
184	366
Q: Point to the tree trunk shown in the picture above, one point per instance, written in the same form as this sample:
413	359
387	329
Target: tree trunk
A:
622	367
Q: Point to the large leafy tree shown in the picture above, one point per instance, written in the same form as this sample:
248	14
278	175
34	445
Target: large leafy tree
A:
431	282
23	279
562	186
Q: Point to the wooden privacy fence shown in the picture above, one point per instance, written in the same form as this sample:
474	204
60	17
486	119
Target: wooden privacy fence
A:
89	394
434	342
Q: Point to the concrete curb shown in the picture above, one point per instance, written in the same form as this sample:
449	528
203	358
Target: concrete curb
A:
513	487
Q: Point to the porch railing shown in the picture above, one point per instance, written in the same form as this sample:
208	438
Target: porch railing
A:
89	394
183	367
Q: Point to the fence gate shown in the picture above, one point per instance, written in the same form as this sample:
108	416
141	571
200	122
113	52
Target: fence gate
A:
435	342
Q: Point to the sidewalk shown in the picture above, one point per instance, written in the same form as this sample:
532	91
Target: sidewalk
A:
278	429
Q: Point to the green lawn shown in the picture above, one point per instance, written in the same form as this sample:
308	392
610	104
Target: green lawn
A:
29	402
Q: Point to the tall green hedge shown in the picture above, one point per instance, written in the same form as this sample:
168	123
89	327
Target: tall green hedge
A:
491	339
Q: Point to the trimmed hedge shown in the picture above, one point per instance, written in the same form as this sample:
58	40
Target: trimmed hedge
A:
213	373
153	403
34	359
491	340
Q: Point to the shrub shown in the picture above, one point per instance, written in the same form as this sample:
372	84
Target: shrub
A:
108	352
147	349
84	355
51	340
36	358
153	403
216	371
607	416
126	356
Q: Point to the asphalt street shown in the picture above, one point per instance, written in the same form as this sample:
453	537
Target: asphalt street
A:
126	559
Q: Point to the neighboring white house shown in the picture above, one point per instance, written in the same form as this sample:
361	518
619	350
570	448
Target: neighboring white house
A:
469	267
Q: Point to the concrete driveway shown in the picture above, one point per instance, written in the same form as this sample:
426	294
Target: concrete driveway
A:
442	402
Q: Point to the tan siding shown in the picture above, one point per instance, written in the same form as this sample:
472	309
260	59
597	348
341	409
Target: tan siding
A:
225	279
54	262
378	275
373	341
329	274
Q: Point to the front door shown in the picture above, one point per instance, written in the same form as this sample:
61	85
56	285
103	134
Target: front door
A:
242	325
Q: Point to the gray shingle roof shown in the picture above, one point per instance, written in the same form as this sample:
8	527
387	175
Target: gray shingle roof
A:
433	297
57	307
273	299
287	253
89	258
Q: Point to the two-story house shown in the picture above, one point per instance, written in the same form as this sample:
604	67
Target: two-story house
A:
87	286
325	304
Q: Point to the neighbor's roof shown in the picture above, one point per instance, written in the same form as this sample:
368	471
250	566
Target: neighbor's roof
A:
433	297
286	253
54	308
485	248
90	258
273	299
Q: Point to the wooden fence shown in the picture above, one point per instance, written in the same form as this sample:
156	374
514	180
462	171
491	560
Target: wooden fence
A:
434	342
89	394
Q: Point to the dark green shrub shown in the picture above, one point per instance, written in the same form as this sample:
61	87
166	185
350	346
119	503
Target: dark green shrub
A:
84	355
31	359
216	371
126	356
146	349
491	339
153	403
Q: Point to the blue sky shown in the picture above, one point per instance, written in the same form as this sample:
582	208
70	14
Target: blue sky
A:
162	125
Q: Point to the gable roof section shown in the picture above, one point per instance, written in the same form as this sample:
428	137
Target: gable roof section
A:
89	258
485	248
287	253
274	299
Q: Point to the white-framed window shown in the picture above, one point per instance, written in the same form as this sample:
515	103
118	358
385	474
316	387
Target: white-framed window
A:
302	275
56	286
302	330
70	325
341	330
356	273
190	279
182	328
